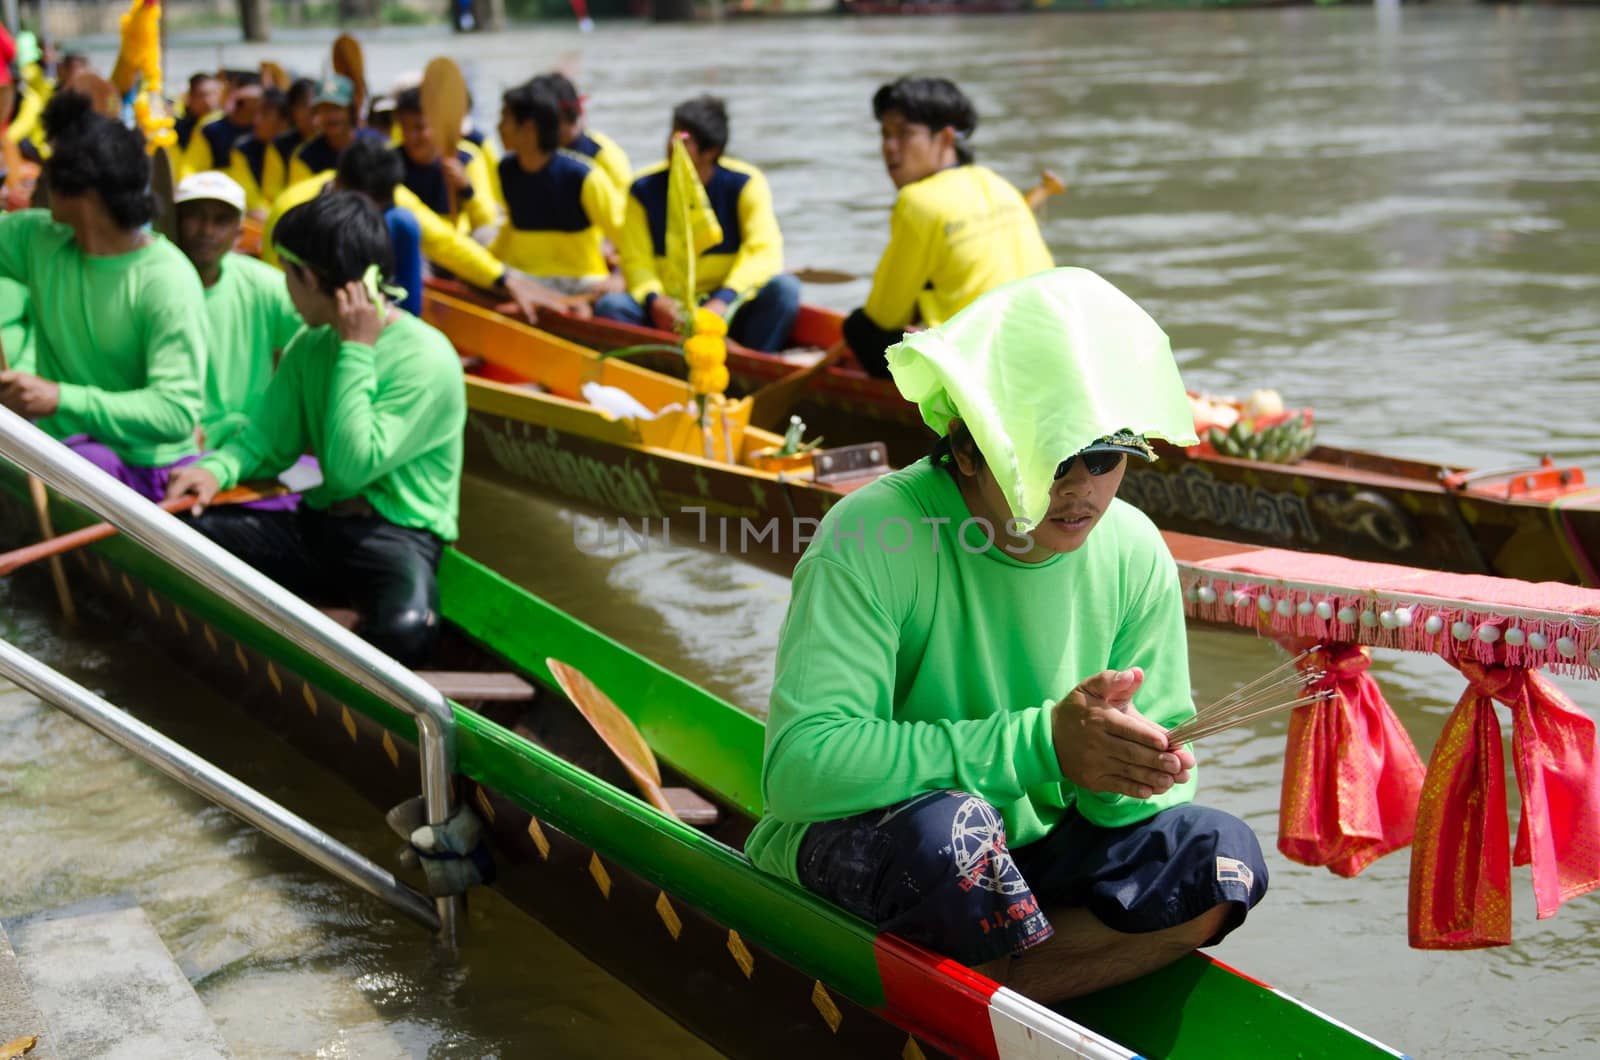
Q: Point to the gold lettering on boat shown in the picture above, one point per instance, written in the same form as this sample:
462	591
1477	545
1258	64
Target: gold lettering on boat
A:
484	805
824	1003
349	721
127	585
272	676
741	954
183	620
390	749
239	657
309	696
211	639
540	842
1192	492
154	601
669	915
912	1051
542	461
602	878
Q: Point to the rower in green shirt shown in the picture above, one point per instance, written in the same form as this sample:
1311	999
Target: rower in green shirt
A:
377	396
248	309
967	741
119	315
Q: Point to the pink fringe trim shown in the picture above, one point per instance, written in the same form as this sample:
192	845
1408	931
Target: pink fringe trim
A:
1386	620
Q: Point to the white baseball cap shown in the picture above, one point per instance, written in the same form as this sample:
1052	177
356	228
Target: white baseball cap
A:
210	184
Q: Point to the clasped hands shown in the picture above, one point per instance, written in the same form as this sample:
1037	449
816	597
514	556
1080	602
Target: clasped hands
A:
1104	744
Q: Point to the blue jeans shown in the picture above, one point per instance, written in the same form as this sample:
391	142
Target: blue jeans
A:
762	323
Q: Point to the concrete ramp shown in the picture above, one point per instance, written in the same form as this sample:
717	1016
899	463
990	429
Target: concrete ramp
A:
105	985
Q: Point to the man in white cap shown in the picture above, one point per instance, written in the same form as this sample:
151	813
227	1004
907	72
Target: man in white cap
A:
967	741
248	309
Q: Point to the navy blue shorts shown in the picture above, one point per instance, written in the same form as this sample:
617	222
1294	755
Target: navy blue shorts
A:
936	870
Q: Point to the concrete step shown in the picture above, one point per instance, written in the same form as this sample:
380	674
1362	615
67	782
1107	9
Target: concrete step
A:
20	1018
105	983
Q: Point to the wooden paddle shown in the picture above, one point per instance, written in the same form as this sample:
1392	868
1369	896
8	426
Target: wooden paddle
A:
41	511
349	62
770	406
616	730
444	107
1049	184
275	76
53	548
163	192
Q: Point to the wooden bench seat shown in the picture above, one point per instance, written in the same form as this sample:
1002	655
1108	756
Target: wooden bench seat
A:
475	686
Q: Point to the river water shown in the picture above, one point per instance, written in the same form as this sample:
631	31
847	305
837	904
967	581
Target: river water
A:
1394	218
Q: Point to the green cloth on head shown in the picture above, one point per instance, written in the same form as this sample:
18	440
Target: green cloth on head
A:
1038	369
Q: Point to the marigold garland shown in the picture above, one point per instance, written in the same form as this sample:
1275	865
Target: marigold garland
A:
141	49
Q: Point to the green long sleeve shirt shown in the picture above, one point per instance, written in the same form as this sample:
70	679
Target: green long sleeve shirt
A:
124	335
915	657
251	318
385	422
16	326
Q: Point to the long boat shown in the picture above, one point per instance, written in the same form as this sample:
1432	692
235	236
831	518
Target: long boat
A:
750	963
1532	523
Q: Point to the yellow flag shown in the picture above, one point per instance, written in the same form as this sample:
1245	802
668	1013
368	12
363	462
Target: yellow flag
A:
691	226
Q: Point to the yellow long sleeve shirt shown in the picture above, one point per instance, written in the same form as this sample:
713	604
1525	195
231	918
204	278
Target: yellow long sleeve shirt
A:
556	216
476	208
442	243
211	146
952	236
751	251
606	154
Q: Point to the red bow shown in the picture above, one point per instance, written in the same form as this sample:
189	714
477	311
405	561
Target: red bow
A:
1461	867
1352	776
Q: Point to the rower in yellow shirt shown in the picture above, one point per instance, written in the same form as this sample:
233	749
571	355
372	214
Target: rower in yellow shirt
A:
429	176
333	109
558	204
247	163
576	136
958	229
746	267
211	145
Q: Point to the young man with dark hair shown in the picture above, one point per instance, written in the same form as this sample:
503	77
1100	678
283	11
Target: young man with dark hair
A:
747	264
211	146
247	163
376	395
375	171
333	110
249	314
119	315
957	230
578	137
302	127
558	205
954	750
203	99
430	176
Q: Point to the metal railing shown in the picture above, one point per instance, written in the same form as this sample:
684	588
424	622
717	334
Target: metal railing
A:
261	598
196	774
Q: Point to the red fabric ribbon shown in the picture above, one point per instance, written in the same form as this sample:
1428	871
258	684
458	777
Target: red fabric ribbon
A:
1352	776
1461	866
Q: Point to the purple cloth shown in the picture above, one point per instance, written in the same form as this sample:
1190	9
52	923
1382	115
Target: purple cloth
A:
151	482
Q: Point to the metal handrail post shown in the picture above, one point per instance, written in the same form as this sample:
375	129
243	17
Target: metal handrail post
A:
263	599
197	774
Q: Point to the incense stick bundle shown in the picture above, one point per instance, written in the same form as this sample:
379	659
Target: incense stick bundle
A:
1270	693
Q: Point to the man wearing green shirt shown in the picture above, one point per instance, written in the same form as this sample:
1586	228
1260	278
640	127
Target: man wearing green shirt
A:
119	319
377	396
248	308
983	652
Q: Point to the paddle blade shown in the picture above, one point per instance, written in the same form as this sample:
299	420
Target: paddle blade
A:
349	62
615	728
444	102
810	275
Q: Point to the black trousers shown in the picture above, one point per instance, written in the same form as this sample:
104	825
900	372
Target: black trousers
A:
388	573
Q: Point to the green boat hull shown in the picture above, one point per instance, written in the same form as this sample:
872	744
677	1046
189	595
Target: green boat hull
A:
752	964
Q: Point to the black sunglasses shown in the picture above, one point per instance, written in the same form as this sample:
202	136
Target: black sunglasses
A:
1099	462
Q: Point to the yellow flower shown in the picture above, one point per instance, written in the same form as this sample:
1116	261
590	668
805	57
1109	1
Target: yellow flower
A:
708	323
704	351
709	380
